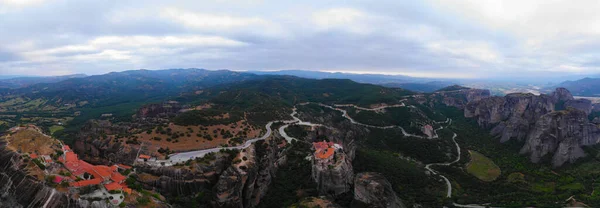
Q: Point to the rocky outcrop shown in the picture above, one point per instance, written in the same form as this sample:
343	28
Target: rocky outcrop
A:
177	182
561	94
460	98
534	119
595	107
94	146
17	189
562	134
244	184
511	116
580	104
373	190
333	175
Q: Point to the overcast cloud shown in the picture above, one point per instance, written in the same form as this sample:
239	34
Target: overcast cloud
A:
433	38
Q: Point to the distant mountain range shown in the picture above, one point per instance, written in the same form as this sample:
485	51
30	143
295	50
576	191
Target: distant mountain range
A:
178	78
393	81
363	78
583	87
24	81
421	87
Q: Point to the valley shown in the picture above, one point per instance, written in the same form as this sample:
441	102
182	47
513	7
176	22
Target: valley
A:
280	141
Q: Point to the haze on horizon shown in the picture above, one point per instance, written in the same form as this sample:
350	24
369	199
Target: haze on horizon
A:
432	38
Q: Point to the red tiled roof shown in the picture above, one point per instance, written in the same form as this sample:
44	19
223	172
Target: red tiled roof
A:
322	145
33	156
144	156
117	177
66	147
71	157
101	171
325	154
113	186
124	166
94	181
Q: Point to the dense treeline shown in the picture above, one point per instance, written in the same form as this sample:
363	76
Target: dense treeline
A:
293	180
408	179
424	150
292	90
207	117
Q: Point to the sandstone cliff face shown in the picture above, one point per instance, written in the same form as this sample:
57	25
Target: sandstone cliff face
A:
561	94
176	182
511	116
562	134
237	184
580	104
533	119
595	107
373	190
92	146
17	189
460	98
244	184
334	176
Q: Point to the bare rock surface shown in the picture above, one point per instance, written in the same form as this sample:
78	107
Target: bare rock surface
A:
374	190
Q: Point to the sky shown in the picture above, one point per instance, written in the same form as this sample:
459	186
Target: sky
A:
423	38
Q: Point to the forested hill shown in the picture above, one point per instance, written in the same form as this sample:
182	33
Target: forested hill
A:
18	82
291	90
119	87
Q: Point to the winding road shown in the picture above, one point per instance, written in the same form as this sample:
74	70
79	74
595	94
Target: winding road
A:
427	166
185	156
448	184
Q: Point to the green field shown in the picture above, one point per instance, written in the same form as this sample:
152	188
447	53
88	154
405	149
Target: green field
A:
55	128
482	167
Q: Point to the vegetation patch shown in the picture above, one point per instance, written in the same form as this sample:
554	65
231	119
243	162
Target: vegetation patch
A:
482	167
516	178
293	181
407	178
543	187
56	128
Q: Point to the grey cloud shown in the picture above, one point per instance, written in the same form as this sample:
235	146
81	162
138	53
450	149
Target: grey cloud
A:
6	56
389	36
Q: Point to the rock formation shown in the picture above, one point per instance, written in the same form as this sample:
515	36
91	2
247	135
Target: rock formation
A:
511	116
561	133
460	98
17	189
595	107
580	104
535	120
373	190
332	169
244	184
561	94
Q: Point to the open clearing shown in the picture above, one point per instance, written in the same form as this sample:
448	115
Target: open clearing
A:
482	167
55	128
